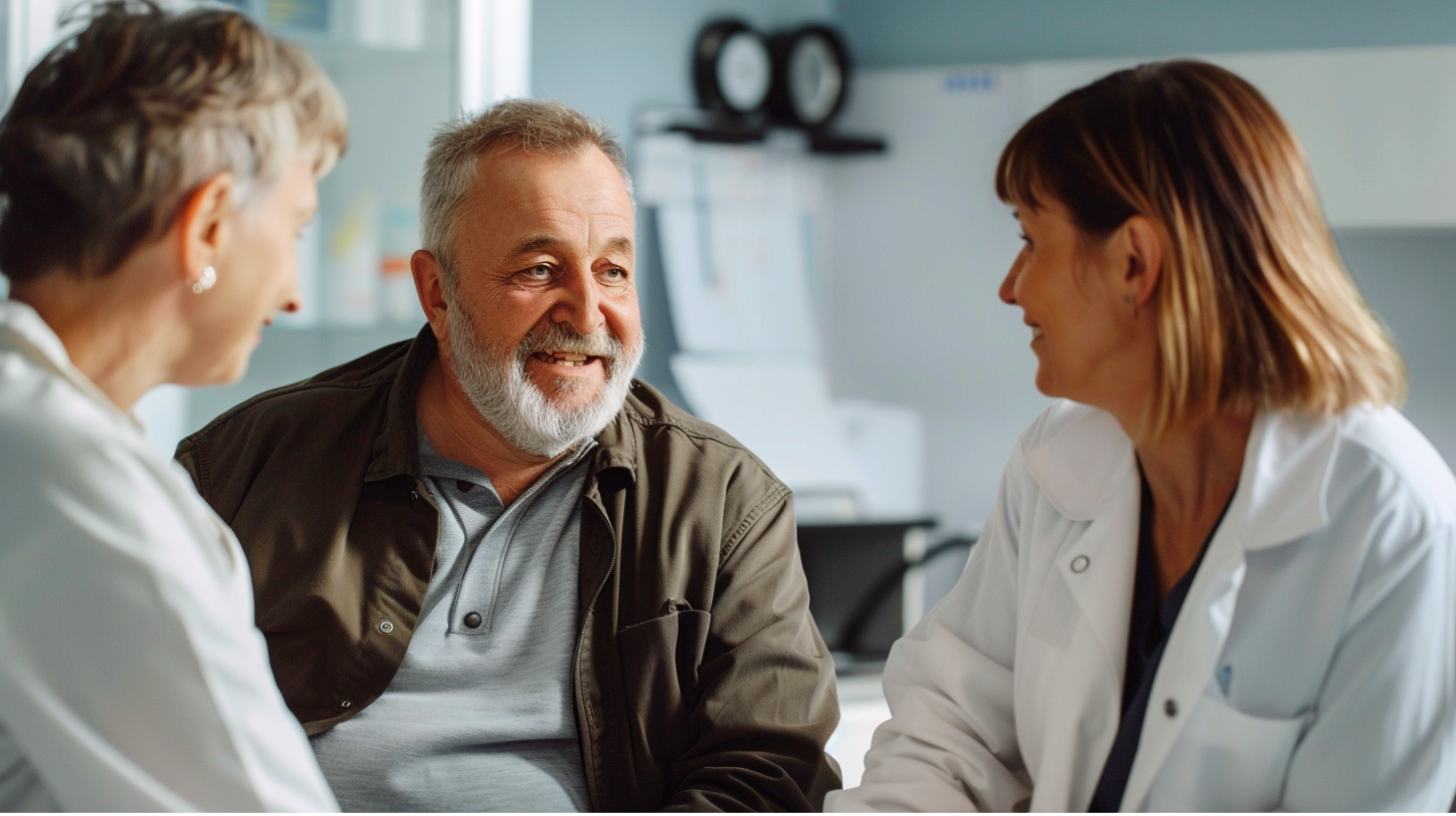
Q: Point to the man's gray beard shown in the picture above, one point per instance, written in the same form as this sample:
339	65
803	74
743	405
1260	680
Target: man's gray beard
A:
496	382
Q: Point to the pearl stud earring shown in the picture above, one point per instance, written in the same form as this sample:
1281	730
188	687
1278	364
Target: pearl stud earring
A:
202	284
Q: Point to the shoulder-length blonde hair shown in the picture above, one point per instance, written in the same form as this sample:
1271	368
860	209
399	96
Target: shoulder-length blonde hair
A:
1254	307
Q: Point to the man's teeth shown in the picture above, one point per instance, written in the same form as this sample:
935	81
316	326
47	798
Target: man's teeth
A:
566	358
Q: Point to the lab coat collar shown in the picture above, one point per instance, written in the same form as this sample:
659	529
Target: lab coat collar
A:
1086	460
22	328
1287	468
1083	461
28	330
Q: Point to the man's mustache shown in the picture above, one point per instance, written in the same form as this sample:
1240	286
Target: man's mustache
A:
600	343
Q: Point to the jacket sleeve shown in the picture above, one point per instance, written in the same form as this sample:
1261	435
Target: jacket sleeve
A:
950	743
767	702
133	678
1383	730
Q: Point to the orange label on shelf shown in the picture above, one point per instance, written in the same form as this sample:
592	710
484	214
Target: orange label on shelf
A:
392	265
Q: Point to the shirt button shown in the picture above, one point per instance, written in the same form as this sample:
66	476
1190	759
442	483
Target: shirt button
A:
345	704
386	627
472	619
1170	707
1081	563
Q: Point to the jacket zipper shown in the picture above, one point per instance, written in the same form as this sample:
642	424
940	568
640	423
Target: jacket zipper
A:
581	636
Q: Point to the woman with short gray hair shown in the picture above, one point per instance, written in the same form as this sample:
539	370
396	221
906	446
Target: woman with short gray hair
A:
155	171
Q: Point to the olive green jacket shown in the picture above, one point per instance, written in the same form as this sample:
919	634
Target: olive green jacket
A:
700	681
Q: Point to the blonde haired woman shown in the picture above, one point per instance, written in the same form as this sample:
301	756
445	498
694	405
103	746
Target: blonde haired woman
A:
155	172
1219	573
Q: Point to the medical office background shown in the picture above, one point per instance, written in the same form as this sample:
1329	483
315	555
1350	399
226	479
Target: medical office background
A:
883	379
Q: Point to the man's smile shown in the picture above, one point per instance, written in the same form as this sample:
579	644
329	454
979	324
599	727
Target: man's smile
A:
565	358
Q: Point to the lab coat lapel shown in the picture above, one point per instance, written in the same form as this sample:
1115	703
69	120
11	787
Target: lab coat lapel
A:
1280	498
1088	472
1098	570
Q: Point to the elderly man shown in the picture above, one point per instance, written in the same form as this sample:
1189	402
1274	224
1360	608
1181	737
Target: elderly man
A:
494	571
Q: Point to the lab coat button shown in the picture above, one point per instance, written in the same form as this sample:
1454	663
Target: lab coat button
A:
1170	707
472	619
1080	563
386	627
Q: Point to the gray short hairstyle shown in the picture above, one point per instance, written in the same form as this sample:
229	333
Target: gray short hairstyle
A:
121	121
522	124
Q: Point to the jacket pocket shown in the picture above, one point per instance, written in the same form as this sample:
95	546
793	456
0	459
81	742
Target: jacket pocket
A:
660	659
1226	760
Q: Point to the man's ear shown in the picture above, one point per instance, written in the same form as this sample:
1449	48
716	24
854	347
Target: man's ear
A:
1144	247
204	224
430	286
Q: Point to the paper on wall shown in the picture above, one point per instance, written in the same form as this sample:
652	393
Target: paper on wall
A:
736	227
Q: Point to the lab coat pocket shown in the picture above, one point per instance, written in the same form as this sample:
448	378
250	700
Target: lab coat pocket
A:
1226	760
660	659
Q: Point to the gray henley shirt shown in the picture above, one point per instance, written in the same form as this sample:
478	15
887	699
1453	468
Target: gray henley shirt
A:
479	716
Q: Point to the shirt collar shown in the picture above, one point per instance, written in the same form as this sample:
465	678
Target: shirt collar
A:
23	329
1087	459
435	464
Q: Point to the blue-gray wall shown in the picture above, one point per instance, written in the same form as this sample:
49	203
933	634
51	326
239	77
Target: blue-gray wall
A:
941	32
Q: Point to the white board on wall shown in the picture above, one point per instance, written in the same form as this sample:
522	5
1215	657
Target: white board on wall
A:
920	245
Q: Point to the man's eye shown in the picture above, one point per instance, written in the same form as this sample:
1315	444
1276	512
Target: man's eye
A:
538	272
615	274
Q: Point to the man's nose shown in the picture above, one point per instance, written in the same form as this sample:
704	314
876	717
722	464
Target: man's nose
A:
580	304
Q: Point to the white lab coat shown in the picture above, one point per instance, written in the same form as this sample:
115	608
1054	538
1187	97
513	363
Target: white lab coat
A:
131	674
1311	667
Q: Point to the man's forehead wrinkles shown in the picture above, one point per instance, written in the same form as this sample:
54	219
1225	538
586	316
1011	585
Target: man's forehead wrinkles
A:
546	240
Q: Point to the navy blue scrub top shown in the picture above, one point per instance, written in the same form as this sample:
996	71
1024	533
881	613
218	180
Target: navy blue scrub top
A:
1147	636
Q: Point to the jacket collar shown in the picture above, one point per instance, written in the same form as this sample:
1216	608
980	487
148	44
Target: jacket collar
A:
617	444
396	447
23	329
1084	463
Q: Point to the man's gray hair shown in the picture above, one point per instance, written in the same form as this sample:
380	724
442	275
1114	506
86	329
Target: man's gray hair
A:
524	124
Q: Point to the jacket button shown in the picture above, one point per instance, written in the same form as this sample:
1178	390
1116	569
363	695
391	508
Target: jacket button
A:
386	627
345	704
1081	563
472	620
1170	707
